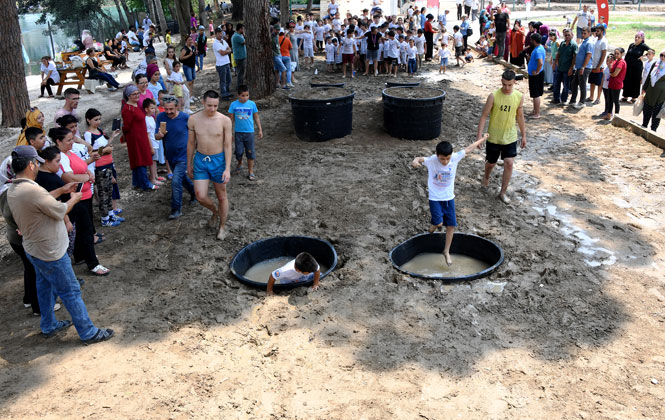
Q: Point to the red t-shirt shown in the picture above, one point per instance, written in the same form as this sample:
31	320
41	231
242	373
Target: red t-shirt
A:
428	26
285	46
70	162
617	82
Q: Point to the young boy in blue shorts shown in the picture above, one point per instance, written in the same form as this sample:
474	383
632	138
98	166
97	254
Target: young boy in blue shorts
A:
244	115
441	169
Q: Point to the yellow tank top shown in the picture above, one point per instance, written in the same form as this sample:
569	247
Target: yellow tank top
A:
502	128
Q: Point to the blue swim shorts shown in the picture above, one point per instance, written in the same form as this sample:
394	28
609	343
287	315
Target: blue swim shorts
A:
209	167
443	212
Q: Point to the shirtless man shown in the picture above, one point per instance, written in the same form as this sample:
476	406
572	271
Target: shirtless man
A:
209	158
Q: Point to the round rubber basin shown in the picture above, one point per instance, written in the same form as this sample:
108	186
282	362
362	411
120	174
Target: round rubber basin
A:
402	84
282	246
463	243
339	85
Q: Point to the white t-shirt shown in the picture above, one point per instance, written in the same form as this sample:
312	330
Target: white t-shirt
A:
330	53
150	125
606	78
420	44
598	48
308	40
347	45
175	77
444	53
441	179
459	39
582	19
288	274
332	9
336	24
411	52
54	72
146	40
391	47
131	37
319	33
445	38
220	60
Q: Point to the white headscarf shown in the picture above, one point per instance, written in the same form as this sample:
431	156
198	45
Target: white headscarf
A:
6	174
660	70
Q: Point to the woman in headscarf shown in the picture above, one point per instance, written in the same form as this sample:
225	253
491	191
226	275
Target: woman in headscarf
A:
33	118
517	44
631	84
654	93
136	137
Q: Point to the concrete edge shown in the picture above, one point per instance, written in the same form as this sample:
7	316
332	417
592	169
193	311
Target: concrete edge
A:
651	136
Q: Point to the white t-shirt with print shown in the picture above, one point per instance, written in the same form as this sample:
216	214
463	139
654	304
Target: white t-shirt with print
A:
420	44
288	274
347	45
308	40
441	179
459	39
444	53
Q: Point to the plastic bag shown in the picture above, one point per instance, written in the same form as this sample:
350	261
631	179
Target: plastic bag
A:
637	106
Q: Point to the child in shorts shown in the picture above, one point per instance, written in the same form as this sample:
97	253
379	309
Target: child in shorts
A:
150	109
441	169
176	79
303	268
330	55
468	56
458	42
244	114
444	56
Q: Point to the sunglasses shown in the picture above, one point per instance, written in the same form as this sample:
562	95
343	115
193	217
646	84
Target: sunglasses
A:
662	56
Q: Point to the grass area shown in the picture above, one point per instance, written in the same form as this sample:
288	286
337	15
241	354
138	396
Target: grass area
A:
624	35
613	18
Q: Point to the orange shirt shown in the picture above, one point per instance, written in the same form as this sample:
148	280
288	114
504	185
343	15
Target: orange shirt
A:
285	46
516	42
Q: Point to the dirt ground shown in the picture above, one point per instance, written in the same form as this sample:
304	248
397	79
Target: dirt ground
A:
570	326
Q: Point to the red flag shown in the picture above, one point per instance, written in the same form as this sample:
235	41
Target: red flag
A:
603	10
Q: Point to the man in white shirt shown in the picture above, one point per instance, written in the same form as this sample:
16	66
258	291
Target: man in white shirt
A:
582	20
332	9
598	64
222	51
132	38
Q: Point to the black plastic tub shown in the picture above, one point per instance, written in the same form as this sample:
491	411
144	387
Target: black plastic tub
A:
322	119
316	85
412	118
282	246
463	243
402	84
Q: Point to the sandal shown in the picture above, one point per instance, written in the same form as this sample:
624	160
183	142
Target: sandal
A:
98	240
237	170
102	334
60	326
251	177
100	270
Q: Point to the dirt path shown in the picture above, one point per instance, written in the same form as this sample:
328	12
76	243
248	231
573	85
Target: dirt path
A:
569	327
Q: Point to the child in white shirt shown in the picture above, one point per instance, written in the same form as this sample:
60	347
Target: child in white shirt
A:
307	44
150	108
444	55
176	79
330	55
403	46
411	53
303	268
420	45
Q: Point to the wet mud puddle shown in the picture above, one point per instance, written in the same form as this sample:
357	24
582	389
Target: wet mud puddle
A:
261	272
434	264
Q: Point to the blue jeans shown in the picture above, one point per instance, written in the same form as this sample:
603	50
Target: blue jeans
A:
278	65
108	79
287	63
180	179
190	73
199	61
224	73
58	278
561	78
140	178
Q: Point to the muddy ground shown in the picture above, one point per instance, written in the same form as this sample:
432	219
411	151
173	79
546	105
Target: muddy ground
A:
570	326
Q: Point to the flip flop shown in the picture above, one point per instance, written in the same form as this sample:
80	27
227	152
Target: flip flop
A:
100	270
251	177
237	170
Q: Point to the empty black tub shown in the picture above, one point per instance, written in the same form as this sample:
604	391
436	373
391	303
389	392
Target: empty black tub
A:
282	246
463	243
402	84
322	114
413	118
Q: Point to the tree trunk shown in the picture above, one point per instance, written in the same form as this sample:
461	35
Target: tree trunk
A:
121	17
203	15
161	19
130	18
14	100
260	75
183	9
309	6
237	9
284	15
151	10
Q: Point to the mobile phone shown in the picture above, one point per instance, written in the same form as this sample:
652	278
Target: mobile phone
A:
116	124
79	187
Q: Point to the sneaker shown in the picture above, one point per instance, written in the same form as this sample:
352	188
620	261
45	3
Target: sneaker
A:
110	223
112	89
26	305
103	334
61	326
596	102
554	102
290	85
578	105
117	218
117	211
175	214
588	100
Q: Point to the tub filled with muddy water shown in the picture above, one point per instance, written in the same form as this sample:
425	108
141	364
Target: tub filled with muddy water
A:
472	257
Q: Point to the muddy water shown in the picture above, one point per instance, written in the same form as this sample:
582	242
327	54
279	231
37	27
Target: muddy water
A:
261	272
432	264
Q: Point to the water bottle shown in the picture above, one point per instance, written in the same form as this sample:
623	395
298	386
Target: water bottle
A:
316	71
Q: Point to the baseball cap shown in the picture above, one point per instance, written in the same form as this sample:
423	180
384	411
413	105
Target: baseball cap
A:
201	27
27	152
276	27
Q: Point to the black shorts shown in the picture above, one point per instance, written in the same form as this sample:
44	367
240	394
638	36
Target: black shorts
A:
390	60
595	78
459	51
536	85
493	150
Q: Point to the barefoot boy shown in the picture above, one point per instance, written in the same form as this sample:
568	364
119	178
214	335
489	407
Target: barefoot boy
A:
441	169
303	268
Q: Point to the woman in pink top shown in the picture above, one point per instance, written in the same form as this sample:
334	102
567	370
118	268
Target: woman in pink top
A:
617	74
74	169
144	92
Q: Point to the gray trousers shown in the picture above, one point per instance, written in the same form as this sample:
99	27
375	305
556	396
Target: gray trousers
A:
241	66
578	81
501	44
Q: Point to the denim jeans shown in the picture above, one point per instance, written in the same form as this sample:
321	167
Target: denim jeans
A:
579	81
58	278
108	79
278	65
199	61
241	65
140	178
190	73
224	73
180	179
561	79
287	63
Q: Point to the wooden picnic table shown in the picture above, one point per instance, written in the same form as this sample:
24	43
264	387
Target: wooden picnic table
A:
71	77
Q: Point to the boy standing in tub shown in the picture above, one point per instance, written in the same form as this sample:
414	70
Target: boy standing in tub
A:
441	170
303	268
